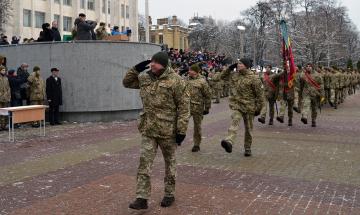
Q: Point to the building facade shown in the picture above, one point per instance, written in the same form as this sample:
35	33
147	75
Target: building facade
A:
29	15
170	33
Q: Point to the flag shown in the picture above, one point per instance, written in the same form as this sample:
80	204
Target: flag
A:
288	57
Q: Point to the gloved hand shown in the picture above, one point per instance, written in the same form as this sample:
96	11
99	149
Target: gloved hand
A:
179	138
140	67
206	112
257	113
233	66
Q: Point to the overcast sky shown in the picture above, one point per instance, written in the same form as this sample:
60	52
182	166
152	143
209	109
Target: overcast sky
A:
219	9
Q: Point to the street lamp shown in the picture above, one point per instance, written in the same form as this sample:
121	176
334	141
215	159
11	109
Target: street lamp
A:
241	30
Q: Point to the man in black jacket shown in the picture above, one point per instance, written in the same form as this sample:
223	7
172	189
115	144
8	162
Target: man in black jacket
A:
84	28
46	35
54	96
55	30
15	82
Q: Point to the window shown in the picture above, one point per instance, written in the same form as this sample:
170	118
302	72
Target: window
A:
67	2
39	19
57	1
91	4
82	4
122	11
104	6
27	18
152	39
57	19
67	23
127	12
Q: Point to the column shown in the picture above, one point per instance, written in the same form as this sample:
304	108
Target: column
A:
106	13
134	20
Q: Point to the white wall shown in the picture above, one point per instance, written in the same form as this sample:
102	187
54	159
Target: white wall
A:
15	26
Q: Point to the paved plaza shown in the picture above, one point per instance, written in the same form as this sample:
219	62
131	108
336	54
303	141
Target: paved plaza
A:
91	168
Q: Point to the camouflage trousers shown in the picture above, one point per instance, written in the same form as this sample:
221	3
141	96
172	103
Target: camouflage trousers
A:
334	96
148	152
327	94
236	117
310	105
197	117
216	95
3	119
268	104
286	104
298	100
226	89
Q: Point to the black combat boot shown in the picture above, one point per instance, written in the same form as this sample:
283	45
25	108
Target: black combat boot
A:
262	120
271	121
226	145
139	204
247	153
167	201
304	120
296	109
280	119
290	122
195	148
313	123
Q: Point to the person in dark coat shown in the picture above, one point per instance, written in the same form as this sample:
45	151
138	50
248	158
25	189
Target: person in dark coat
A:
46	35
15	82
84	28
55	30
22	72
54	96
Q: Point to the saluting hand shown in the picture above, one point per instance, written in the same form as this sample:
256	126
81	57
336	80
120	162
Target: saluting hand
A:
140	67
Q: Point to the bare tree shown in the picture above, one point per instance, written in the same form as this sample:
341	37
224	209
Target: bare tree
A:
5	13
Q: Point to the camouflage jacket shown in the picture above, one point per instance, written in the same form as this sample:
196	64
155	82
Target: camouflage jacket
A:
327	80
247	94
335	83
270	85
216	79
200	94
290	93
5	93
310	82
342	80
166	102
37	88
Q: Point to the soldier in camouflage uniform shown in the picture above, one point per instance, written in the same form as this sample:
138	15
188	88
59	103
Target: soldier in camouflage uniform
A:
37	89
334	87
313	91
216	79
286	97
226	89
327	84
5	95
200	101
297	91
269	82
342	86
163	122
246	101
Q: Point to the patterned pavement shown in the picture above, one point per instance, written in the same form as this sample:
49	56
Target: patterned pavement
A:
90	168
